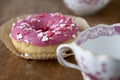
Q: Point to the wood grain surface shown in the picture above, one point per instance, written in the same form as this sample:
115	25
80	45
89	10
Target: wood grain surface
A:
16	68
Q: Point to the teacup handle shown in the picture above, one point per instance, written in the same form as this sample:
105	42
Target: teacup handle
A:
61	60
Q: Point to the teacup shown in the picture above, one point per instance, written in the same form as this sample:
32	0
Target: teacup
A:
96	51
85	7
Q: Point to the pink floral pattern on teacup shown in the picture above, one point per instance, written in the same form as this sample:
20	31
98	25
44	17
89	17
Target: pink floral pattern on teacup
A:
97	32
89	2
96	51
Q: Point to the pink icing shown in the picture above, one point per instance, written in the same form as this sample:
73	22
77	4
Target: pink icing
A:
44	29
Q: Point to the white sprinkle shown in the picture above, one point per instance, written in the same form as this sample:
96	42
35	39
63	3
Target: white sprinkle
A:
56	29
20	20
53	26
58	32
45	38
21	26
33	19
26	41
52	15
69	28
28	24
23	23
61	21
38	30
72	25
56	13
29	29
50	38
13	24
74	36
40	34
12	27
62	25
19	36
56	25
66	22
65	34
46	32
38	20
67	19
10	35
28	17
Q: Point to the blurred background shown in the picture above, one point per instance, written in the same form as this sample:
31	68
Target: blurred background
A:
13	8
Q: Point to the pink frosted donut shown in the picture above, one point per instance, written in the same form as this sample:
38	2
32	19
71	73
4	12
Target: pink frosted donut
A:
42	31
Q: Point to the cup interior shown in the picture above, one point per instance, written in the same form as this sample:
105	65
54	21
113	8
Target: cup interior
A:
101	39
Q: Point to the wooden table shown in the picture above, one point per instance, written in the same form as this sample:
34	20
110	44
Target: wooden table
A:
15	68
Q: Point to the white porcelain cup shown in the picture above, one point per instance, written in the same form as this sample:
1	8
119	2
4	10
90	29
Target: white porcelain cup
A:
85	7
96	51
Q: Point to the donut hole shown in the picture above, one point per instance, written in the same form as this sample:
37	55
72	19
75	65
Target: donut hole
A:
35	25
39	26
44	28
